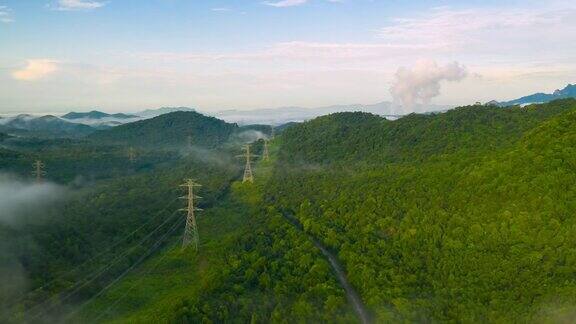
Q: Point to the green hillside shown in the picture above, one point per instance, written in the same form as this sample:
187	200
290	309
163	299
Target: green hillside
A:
455	237
354	137
253	267
114	216
79	161
177	129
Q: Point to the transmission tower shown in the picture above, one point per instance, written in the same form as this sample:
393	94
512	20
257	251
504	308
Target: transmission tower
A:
265	154
191	230
131	155
38	171
190	144
248	176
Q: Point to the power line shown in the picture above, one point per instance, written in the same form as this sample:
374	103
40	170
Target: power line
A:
99	272
38	171
248	175
127	291
142	258
131	155
108	249
191	229
265	154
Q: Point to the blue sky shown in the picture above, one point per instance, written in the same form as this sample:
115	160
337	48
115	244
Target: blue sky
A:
126	55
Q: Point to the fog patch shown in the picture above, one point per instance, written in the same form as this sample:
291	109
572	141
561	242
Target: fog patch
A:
20	198
207	156
250	136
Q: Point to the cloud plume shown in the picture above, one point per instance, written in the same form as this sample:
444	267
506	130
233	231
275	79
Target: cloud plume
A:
421	83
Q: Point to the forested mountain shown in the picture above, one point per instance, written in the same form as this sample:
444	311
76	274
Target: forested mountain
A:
48	244
437	233
72	160
169	130
347	137
463	216
253	266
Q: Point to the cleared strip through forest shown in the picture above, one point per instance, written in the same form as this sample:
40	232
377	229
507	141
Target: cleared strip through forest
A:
351	293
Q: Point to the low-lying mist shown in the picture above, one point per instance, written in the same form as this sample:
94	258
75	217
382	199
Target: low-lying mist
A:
25	199
250	136
208	156
21	201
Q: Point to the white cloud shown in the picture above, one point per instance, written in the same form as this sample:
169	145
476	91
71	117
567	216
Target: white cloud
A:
286	3
514	34
502	45
483	28
36	69
5	15
221	9
71	5
298	51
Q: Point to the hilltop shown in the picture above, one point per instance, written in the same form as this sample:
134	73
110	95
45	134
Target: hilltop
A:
371	139
169	130
431	226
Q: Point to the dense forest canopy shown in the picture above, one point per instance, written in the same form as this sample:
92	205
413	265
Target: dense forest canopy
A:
463	216
471	222
353	137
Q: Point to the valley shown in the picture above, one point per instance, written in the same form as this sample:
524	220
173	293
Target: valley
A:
456	216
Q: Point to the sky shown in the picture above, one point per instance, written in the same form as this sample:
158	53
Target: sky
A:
130	55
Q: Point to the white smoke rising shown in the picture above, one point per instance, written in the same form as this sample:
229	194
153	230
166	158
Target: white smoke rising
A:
20	198
420	83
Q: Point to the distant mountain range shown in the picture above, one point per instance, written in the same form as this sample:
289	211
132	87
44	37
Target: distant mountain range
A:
568	92
50	126
98	119
96	115
79	124
74	124
280	116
